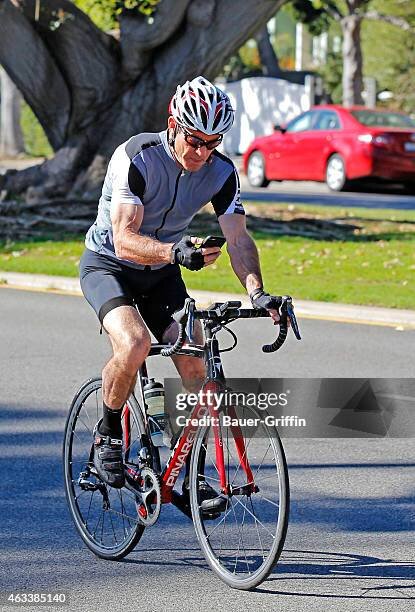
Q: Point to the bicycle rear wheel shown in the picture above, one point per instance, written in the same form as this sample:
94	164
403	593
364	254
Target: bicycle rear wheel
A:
244	542
106	518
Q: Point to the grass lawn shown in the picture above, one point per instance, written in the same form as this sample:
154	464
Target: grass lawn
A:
371	262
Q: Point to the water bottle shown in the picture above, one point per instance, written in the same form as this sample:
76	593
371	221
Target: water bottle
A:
154	398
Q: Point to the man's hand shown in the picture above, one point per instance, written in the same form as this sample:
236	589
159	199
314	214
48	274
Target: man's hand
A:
260	299
187	253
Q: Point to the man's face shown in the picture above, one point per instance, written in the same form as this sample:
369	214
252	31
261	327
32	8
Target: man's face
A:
191	158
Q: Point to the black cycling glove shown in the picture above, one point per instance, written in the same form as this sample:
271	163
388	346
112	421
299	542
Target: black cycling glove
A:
186	254
260	299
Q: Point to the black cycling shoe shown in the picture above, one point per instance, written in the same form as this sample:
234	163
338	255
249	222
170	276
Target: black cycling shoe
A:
211	503
108	459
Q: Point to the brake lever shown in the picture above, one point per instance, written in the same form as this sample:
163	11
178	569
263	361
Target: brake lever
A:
286	313
182	317
190	325
293	320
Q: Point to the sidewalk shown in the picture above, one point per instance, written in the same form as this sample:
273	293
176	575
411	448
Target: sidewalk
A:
347	313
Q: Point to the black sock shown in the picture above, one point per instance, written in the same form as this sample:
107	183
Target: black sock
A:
111	422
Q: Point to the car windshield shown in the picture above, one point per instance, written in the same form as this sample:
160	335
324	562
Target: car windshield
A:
383	119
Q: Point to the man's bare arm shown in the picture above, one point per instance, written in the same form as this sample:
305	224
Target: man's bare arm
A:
242	251
243	255
129	244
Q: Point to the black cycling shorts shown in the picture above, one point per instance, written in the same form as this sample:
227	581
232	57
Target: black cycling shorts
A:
107	284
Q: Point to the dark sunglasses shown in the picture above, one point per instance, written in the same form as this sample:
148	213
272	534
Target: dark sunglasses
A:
197	143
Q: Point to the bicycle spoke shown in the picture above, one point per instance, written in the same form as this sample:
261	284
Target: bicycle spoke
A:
220	523
96	400
209	477
113	530
269	500
122	509
241	539
238	501
262	460
256	527
102	527
85	425
89	508
223	526
97	525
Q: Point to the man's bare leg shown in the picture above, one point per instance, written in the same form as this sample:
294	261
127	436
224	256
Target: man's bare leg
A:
131	343
191	369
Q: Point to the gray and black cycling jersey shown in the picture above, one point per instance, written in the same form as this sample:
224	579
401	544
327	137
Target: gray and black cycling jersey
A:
143	172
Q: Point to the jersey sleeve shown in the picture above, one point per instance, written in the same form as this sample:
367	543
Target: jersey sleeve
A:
228	199
128	184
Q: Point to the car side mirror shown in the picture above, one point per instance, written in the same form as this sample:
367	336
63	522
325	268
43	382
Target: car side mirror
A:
279	128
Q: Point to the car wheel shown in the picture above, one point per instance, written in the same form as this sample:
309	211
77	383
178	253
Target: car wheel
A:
336	173
256	170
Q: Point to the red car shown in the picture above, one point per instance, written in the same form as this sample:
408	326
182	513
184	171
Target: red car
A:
334	144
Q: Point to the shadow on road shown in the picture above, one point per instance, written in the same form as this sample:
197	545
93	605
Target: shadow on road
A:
37	528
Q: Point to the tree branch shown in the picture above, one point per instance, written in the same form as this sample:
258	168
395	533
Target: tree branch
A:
86	57
334	11
29	64
269	59
138	36
232	24
399	22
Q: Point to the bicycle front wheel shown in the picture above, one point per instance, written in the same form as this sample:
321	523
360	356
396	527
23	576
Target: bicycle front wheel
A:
106	518
244	541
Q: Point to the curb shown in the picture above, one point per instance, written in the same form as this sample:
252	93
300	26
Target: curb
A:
346	313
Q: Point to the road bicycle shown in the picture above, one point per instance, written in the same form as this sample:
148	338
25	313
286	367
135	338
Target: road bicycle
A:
243	461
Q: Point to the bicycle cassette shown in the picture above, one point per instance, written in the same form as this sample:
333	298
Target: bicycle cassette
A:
148	497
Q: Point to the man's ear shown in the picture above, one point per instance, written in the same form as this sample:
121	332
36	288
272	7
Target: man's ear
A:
171	123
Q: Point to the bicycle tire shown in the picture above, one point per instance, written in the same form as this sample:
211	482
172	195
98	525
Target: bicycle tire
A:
220	563
70	468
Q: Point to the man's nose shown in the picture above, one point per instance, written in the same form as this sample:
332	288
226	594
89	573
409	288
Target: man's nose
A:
201	151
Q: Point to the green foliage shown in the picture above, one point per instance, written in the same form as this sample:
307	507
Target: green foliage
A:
392	62
35	141
388	51
332	75
105	13
245	62
313	14
101	12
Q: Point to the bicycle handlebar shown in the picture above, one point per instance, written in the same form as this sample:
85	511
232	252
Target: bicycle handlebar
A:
229	311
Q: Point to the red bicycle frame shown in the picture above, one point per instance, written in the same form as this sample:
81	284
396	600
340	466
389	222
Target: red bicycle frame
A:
186	440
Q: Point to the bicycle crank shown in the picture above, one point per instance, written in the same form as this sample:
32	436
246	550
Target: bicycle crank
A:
146	485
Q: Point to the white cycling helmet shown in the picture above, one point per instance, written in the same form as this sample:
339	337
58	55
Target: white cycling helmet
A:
200	105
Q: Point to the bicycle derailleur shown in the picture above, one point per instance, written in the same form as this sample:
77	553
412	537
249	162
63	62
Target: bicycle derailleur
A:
143	482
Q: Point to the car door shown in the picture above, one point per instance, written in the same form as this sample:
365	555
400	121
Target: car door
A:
328	130
296	154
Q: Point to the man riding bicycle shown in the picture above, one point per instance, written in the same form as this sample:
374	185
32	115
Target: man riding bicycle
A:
154	185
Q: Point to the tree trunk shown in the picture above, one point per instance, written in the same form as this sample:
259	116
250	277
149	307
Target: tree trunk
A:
11	137
267	54
91	92
352	60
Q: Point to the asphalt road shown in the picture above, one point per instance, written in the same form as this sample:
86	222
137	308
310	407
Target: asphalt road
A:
350	540
318	194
